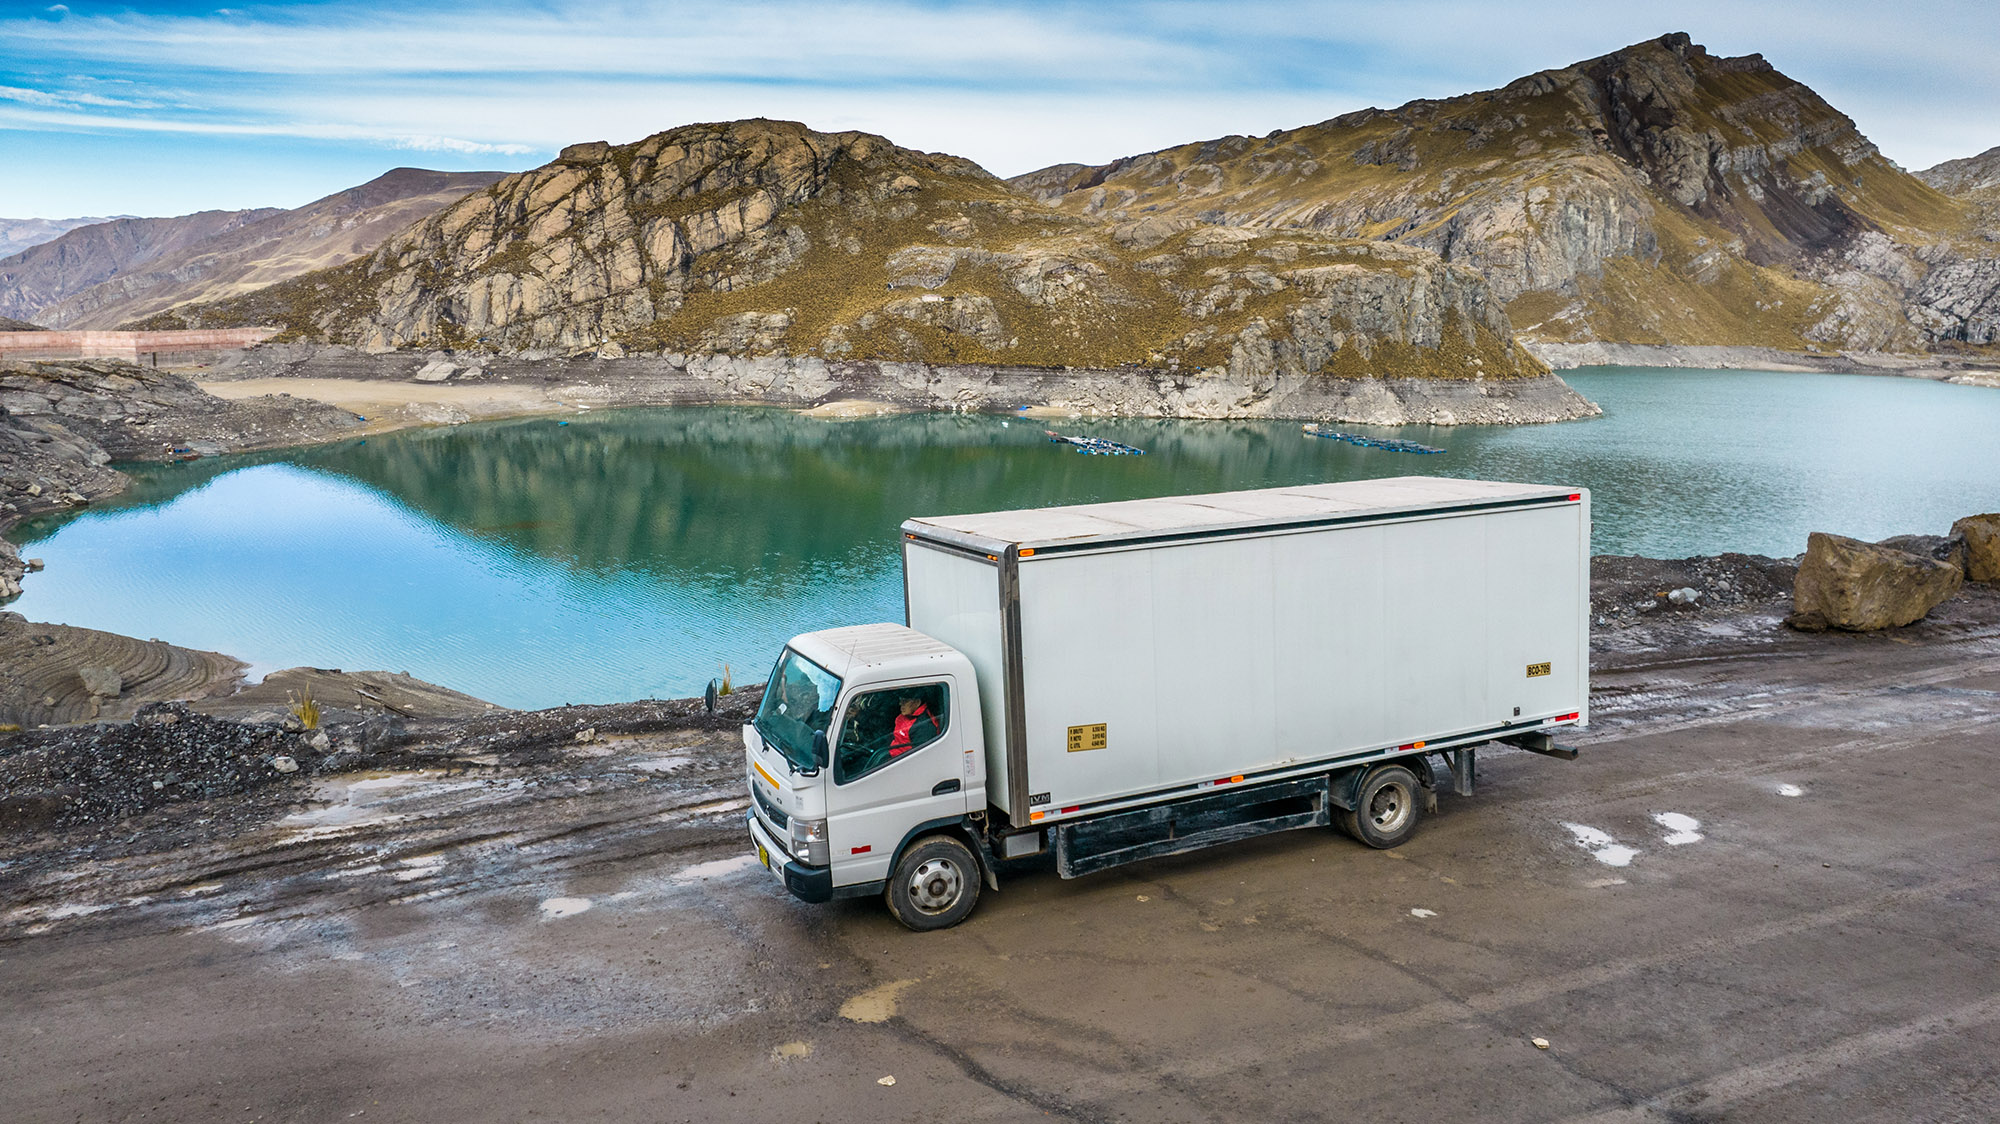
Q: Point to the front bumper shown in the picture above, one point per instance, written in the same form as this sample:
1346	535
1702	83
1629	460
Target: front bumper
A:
807	883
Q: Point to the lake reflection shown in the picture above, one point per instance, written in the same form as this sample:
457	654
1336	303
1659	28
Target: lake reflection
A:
633	553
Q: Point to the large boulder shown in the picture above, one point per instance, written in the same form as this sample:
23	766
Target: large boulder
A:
1982	546
1857	586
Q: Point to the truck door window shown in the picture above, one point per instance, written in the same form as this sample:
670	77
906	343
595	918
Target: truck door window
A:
885	726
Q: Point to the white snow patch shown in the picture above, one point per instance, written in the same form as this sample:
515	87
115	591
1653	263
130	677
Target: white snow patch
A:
1680	828
1790	790
1423	913
1601	845
555	908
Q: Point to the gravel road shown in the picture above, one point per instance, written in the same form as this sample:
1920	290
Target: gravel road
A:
1768	890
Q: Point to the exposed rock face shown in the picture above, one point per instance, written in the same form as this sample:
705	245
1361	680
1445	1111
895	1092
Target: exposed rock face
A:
1655	195
1848	584
1982	546
42	275
767	238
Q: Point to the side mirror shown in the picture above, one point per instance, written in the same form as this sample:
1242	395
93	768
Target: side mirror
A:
819	748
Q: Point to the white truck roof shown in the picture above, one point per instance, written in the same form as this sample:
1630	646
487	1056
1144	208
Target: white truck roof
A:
891	648
1081	524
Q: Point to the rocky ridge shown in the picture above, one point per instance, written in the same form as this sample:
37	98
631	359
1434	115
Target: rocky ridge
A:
46	274
19	234
1655	195
764	238
330	231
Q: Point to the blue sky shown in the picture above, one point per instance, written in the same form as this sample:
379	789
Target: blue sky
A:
166	108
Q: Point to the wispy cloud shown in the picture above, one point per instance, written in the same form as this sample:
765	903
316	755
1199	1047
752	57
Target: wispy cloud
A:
1014	86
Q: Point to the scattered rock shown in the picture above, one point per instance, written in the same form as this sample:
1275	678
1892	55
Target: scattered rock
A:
1982	546
284	764
1855	586
1686	595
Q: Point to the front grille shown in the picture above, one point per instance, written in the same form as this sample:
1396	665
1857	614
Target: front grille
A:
772	812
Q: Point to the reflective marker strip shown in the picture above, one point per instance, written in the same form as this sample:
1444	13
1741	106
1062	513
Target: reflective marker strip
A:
767	776
863	850
1412	745
1575	497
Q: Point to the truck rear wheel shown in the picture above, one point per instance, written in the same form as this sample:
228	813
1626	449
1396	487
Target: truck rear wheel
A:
935	884
1387	805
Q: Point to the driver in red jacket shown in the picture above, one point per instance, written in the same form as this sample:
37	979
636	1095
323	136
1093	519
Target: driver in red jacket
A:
910	712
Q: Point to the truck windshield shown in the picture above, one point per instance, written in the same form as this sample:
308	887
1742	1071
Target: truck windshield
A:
797	703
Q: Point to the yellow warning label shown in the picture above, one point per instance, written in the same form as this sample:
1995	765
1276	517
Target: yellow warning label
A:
1088	737
1535	669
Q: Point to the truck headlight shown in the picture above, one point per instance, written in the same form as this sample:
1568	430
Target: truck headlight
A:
809	842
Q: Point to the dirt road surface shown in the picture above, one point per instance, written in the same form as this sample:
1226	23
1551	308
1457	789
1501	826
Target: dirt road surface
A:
1769	890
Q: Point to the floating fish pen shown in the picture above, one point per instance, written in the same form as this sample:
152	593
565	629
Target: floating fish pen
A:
1095	446
1389	444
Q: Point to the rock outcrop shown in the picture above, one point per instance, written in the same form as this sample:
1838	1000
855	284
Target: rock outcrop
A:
1856	586
1981	534
765	238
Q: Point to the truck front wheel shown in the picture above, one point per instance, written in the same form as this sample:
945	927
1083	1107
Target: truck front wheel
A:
1387	805
935	884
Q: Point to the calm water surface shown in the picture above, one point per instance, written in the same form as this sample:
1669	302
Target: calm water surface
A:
633	554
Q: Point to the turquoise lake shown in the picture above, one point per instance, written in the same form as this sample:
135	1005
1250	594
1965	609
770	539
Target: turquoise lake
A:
633	554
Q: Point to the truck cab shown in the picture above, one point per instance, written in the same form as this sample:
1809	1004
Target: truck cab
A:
868	738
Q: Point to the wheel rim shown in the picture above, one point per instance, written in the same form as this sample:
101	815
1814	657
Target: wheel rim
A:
935	885
1389	808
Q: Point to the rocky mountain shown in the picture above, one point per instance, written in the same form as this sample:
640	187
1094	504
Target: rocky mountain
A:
19	234
43	275
330	231
768	238
7	325
1973	175
1658	194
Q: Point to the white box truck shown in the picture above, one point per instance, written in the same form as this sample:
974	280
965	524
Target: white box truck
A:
1119	681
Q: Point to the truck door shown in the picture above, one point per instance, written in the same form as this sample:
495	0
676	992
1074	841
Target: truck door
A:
896	764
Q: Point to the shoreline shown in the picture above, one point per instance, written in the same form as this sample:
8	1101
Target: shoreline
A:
1959	370
482	386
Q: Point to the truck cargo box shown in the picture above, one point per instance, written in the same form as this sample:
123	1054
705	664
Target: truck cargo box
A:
1148	649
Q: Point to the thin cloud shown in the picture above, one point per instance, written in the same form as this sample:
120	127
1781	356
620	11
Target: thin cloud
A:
1012	86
